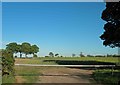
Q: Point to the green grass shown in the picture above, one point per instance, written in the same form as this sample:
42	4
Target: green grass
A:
102	59
28	74
107	76
41	59
32	61
8	79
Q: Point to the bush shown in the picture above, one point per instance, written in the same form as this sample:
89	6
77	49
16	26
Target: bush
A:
106	76
35	56
7	63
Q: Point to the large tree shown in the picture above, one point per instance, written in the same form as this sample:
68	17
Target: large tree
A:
19	48
12	46
34	49
111	15
26	48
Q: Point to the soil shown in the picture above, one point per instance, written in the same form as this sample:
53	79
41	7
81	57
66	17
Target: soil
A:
65	75
62	75
19	79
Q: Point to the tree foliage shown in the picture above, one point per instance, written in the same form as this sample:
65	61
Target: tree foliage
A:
7	55
34	49
7	62
25	48
56	54
51	54
111	15
73	55
12	47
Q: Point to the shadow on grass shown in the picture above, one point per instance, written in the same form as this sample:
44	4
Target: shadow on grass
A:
73	62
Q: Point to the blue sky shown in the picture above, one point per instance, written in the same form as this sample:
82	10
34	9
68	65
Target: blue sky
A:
63	28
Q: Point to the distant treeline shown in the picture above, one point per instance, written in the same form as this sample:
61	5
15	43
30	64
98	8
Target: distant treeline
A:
89	56
103	56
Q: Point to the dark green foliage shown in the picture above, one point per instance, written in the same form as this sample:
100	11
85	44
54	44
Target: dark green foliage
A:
56	54
107	77
34	49
111	15
81	54
25	48
61	56
12	47
90	56
35	56
46	56
28	49
73	55
7	62
7	55
19	47
51	54
78	62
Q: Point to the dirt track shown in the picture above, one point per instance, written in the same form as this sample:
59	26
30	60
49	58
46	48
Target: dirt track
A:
65	75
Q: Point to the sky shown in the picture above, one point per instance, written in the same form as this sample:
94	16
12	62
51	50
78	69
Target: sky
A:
59	27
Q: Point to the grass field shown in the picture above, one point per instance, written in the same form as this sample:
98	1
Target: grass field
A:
27	74
22	75
32	61
8	79
107	76
41	59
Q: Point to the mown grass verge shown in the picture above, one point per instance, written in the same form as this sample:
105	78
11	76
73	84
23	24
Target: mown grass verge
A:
27	73
23	74
8	79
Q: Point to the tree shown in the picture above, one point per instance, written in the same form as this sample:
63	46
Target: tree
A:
73	55
51	54
56	54
111	15
26	48
35	56
19	48
7	62
12	47
81	54
34	49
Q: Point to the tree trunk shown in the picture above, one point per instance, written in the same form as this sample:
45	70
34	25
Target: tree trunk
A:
33	54
26	55
20	55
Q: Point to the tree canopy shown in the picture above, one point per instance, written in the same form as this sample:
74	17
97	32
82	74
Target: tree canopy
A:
111	15
7	62
25	48
11	48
